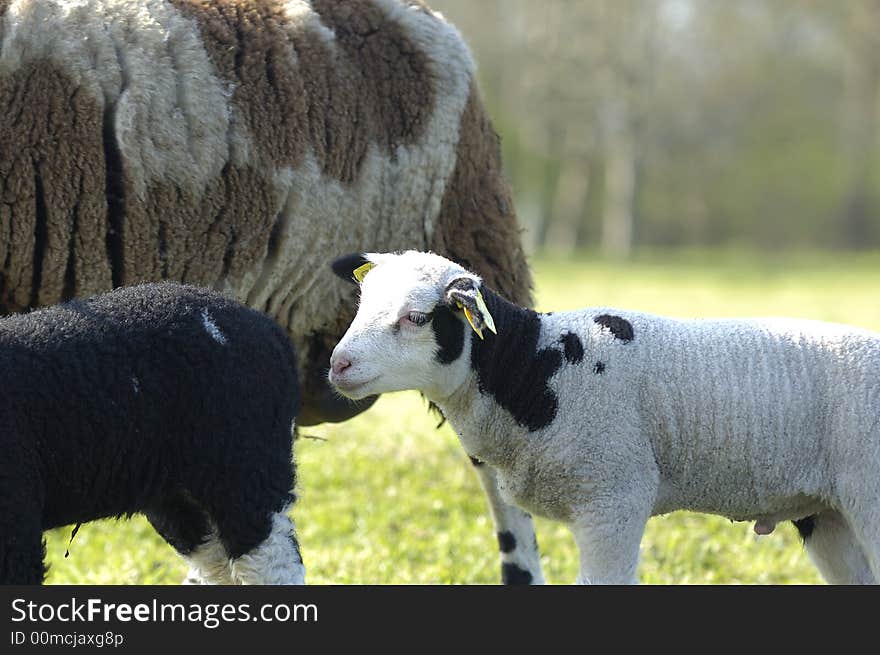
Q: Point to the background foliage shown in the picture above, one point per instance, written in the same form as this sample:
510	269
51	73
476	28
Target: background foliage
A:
684	122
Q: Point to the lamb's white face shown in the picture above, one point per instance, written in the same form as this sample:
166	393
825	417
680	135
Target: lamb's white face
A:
393	341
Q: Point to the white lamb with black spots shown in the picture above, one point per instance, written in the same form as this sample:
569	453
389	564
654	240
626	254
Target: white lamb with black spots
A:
602	418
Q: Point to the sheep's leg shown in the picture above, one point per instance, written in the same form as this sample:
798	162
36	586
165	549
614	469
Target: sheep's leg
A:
254	529
189	530
865	524
193	577
276	560
608	539
834	549
520	558
859	504
209	563
22	548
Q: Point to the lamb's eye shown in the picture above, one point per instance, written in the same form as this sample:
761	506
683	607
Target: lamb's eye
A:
418	318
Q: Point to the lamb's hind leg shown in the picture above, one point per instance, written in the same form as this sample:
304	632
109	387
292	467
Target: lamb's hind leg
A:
222	548
834	548
187	527
520	559
249	512
275	560
864	522
858	498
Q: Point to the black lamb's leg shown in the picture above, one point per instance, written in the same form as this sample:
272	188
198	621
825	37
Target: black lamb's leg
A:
187	527
22	549
251	516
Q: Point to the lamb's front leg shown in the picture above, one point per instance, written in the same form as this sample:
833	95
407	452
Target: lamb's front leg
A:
520	559
608	538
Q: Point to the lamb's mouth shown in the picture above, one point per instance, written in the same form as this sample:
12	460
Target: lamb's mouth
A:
350	390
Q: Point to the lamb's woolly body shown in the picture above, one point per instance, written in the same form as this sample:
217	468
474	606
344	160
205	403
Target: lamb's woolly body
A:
767	397
602	418
201	443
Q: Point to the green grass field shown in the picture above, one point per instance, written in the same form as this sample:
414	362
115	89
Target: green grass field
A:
387	498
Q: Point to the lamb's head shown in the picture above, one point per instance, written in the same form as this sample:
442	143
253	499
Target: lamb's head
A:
409	332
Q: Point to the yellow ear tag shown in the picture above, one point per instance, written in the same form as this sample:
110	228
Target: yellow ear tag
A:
487	317
488	321
361	271
470	318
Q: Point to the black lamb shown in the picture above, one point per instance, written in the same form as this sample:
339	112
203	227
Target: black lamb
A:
164	399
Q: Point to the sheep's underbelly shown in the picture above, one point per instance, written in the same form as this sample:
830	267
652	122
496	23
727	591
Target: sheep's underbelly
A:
740	495
771	510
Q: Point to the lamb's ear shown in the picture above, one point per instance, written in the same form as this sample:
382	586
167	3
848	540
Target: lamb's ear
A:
464	293
353	267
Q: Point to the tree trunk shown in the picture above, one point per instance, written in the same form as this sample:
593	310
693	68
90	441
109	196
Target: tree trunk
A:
620	184
591	203
862	89
550	183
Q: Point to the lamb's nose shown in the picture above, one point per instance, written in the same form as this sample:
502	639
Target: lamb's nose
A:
339	364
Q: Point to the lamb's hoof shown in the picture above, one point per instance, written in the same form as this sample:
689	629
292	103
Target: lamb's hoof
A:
192	578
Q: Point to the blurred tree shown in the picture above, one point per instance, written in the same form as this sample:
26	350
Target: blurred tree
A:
858	23
685	122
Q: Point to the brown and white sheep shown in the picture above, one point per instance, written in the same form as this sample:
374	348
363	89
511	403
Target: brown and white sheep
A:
236	144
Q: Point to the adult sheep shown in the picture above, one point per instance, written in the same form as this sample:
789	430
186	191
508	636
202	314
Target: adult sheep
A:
233	144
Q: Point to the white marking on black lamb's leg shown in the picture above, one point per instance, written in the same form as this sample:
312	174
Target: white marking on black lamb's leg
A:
834	549
209	563
192	577
183	523
276	561
520	559
211	327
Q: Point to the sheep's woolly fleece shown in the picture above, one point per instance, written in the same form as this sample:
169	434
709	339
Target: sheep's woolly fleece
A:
234	143
164	399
